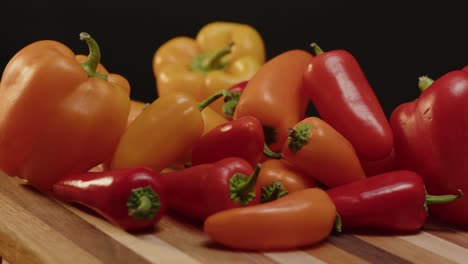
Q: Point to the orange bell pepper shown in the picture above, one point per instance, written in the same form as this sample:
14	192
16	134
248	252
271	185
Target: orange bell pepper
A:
318	149
163	132
221	55
302	218
274	95
57	115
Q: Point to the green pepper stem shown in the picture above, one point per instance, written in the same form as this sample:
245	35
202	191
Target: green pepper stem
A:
299	136
143	203
338	224
242	188
441	199
317	50
221	93
273	191
211	60
270	153
424	82
94	57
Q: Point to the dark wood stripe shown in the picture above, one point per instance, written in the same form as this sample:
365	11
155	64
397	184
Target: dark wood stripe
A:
83	234
364	250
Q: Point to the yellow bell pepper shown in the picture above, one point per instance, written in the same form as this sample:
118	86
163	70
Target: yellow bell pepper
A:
222	55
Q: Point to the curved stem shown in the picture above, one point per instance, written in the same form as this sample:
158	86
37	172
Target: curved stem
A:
338	223
424	82
316	48
441	199
242	187
211	60
270	153
222	93
94	56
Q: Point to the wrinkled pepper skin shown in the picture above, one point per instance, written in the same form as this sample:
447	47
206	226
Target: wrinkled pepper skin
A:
302	218
133	199
56	117
318	149
202	190
171	61
392	202
343	97
275	96
431	139
242	138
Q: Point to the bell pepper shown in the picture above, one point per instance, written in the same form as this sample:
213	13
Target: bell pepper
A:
230	103
133	199
319	150
343	97
221	55
431	138
392	202
162	133
302	218
465	69
202	190
274	95
58	115
242	138
280	172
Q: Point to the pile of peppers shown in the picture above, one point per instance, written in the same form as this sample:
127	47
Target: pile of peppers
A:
228	142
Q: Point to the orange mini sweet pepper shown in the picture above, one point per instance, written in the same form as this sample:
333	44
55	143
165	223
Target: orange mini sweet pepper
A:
162	133
221	55
58	115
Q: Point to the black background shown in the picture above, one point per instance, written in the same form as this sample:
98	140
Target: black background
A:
394	46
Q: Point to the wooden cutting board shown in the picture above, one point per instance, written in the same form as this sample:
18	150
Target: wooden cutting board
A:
37	229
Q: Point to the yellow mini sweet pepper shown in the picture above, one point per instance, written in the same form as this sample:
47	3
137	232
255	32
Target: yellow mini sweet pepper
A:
221	55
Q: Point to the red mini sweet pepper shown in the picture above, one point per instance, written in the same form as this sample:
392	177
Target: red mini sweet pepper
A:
343	97
202	190
431	138
242	138
389	202
132	198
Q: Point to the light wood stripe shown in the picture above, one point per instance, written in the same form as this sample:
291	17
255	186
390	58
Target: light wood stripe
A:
148	246
439	229
293	257
405	249
22	234
333	255
442	247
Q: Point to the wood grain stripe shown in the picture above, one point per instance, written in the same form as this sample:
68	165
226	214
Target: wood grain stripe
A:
405	249
333	255
364	250
83	234
441	247
189	238
441	230
21	236
147	245
293	257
